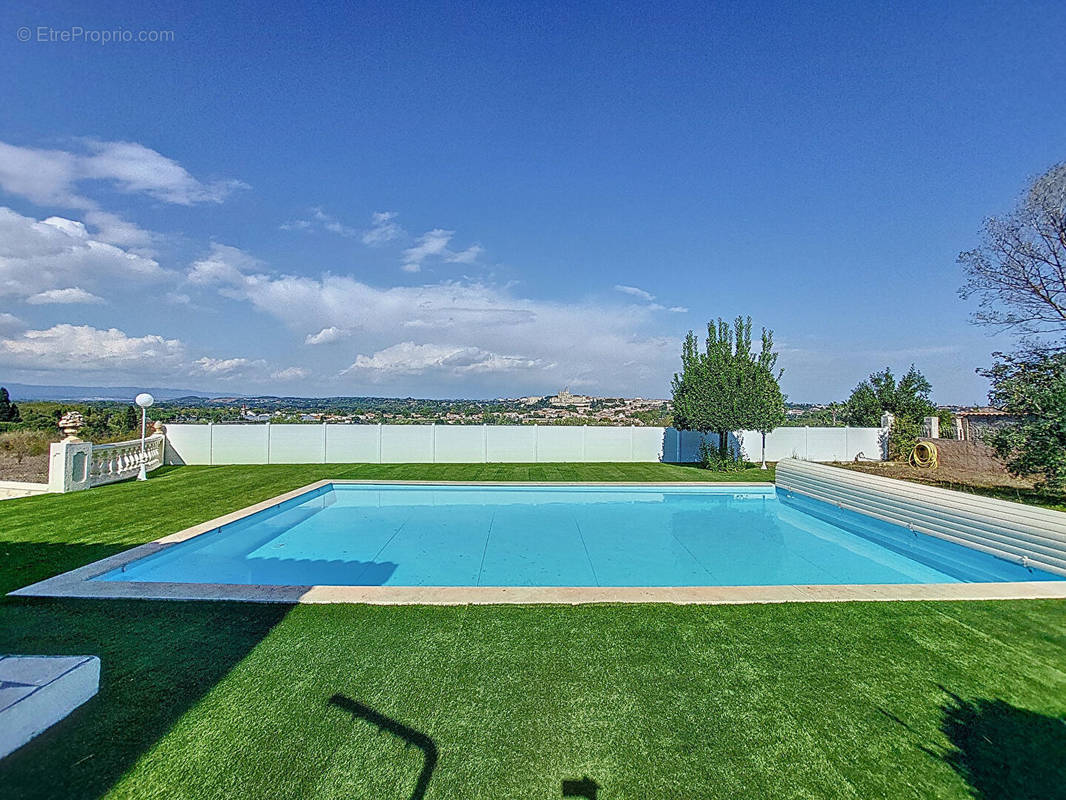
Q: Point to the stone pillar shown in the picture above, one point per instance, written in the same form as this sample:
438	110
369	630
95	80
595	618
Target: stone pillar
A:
931	428
887	418
69	460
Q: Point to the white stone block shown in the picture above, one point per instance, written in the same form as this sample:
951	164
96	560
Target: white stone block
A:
38	691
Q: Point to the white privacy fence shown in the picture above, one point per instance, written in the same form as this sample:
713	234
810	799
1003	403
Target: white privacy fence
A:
340	444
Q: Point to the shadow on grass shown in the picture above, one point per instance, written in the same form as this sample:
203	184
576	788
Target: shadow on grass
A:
586	787
408	735
1004	751
23	563
158	659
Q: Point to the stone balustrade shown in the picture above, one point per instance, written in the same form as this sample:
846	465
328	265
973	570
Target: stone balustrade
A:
121	460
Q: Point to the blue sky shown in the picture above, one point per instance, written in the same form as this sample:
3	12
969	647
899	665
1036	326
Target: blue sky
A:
458	200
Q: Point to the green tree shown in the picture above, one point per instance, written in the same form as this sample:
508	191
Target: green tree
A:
131	419
907	399
9	412
1032	385
767	403
724	387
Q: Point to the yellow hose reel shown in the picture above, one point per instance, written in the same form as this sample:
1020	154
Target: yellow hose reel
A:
924	456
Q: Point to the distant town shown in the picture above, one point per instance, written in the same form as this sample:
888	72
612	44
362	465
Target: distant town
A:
563	408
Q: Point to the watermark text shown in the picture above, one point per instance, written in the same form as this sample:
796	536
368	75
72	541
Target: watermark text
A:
76	34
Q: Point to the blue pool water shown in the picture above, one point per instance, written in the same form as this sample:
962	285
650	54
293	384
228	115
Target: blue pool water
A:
360	535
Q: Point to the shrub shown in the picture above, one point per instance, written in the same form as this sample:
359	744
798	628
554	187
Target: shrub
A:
902	439
25	443
720	459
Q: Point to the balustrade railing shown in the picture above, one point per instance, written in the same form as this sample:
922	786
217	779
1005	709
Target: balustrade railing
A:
121	460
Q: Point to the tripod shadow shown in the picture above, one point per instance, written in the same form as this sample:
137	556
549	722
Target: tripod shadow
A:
586	787
398	729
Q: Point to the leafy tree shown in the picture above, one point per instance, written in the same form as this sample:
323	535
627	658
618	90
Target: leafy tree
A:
1032	385
767	403
9	412
907	399
131	419
1019	270
725	387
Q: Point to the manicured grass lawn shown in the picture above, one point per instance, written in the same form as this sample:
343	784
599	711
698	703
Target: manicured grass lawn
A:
228	700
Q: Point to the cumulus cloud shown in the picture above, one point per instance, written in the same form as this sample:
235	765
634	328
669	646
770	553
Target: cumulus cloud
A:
568	342
55	253
10	324
223	265
63	297
225	367
112	355
383	228
408	358
82	348
290	374
328	335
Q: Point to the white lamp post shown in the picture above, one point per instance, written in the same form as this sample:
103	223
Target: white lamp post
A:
144	400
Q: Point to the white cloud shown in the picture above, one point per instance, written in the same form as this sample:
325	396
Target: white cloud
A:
224	367
63	296
10	324
408	358
290	374
82	348
328	335
468	256
112	229
319	219
52	177
383	228
635	292
224	265
55	253
677	310
431	243
571	342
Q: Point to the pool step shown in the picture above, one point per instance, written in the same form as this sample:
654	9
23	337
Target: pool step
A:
38	691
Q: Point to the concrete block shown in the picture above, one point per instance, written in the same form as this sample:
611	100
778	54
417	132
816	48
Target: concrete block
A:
38	691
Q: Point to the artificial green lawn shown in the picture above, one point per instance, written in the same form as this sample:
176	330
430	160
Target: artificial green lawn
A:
234	700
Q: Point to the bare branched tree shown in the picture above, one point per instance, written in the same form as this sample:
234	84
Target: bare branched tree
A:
1019	271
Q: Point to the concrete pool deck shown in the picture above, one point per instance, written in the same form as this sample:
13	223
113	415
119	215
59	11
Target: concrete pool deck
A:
79	583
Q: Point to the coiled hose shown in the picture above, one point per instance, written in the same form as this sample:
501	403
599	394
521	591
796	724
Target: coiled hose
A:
924	456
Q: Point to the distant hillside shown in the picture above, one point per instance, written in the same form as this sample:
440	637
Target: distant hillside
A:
25	391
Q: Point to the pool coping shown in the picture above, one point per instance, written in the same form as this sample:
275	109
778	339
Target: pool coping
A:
78	583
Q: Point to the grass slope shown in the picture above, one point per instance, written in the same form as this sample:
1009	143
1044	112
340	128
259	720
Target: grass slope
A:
220	700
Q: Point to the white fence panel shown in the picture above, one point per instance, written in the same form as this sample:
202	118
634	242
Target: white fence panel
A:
608	444
189	444
353	444
649	444
460	444
297	444
512	443
407	444
290	444
558	443
240	444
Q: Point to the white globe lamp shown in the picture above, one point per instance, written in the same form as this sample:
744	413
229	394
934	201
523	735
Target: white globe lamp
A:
145	401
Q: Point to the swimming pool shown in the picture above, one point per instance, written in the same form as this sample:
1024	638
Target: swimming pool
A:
561	536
